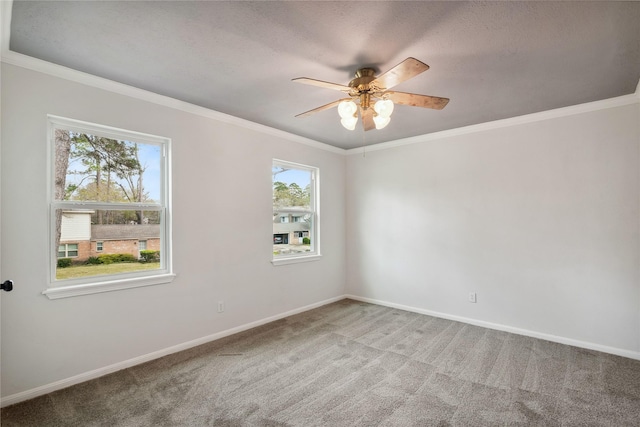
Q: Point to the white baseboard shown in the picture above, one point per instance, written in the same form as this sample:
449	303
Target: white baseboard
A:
86	376
499	327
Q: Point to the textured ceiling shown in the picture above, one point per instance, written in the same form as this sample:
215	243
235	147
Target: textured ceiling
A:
494	60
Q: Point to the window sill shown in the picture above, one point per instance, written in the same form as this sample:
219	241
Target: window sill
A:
107	286
295	260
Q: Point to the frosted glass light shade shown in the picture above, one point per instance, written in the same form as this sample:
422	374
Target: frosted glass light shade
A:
384	108
349	122
380	121
348	112
347	109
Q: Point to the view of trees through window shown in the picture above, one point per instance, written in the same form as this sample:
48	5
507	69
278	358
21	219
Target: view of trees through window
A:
98	169
107	199
291	195
293	210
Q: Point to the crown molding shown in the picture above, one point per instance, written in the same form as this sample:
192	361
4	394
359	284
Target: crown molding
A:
17	59
503	123
59	71
24	61
5	24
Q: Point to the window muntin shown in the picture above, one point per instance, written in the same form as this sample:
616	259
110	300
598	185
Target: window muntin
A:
68	250
110	186
295	211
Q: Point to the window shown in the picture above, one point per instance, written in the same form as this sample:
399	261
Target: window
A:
142	246
68	250
107	185
295	213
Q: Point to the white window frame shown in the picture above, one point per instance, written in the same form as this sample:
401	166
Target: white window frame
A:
96	284
314	233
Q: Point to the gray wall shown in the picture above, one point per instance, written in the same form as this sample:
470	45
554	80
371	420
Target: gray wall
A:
222	242
540	219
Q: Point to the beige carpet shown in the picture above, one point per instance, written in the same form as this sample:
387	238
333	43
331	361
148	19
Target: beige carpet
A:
356	364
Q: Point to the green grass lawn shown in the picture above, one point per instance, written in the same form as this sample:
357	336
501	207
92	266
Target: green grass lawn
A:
76	271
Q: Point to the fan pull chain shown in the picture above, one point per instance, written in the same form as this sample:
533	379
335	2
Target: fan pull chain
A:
364	145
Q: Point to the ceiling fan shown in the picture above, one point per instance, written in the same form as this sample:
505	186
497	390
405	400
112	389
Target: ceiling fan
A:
370	95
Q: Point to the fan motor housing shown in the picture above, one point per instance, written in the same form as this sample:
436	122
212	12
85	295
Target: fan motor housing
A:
364	76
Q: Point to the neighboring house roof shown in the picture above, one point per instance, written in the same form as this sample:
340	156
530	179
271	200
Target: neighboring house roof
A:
284	210
125	231
288	227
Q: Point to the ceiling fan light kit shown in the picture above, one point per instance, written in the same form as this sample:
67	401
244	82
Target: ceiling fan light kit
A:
348	111
381	122
366	87
347	108
349	123
383	109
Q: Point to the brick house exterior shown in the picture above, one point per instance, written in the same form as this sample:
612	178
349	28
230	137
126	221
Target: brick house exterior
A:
124	239
79	239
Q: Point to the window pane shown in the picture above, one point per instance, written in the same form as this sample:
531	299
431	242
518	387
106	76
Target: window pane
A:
293	210
99	169
291	188
120	236
72	250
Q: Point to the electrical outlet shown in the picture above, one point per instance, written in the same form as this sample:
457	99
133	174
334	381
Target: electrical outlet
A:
473	297
220	306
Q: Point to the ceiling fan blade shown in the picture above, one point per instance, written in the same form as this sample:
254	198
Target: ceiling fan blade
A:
320	83
415	100
322	108
367	119
405	70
